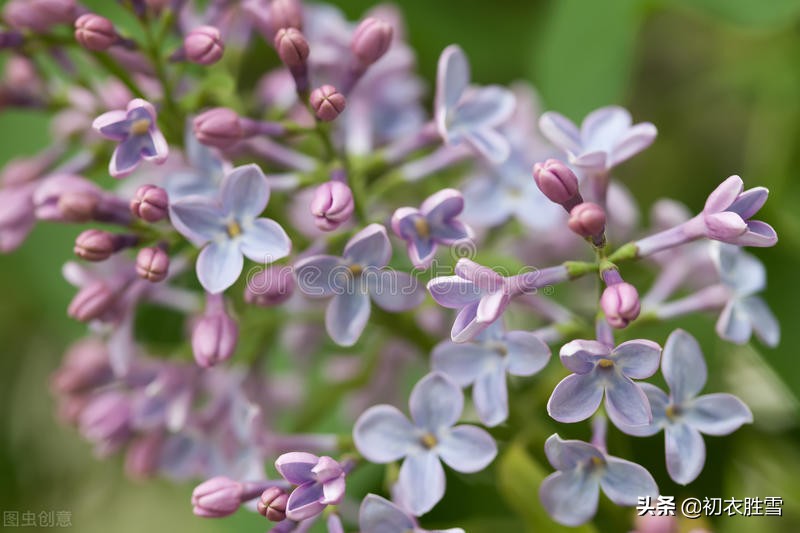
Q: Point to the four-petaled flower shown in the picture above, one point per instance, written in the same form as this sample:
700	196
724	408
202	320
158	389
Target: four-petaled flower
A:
571	494
383	434
138	135
320	482
230	228
606	138
484	363
599	369
379	515
726	215
470	114
683	415
433	223
355	277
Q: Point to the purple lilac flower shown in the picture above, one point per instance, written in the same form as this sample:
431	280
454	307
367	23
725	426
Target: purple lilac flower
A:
599	369
470	115
606	138
481	295
137	134
320	482
17	215
683	415
379	515
484	363
355	277
202	175
383	434
434	223
571	494
231	228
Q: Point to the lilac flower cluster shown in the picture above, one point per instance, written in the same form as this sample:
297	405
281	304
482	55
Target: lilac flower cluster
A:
242	207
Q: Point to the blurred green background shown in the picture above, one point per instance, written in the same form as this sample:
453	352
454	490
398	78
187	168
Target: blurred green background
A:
721	81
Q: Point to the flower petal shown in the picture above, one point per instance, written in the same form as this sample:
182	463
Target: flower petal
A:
442	206
463	363
766	326
466	325
749	202
490	144
570	497
436	403
658	400
686	453
580	355
198	221
683	366
369	247
452	79
633	141
421	482
265	241
491	306
454	292
602	127
394	291
624	482
219	266
734	323
319	275
638	358
347	316
759	234
333	491
157	149
127	155
379	515
295	467
467	449
483	108
724	195
304	502
739	270
490	396
717	414
527	353
561	131
568	454
245	191
575	398
383	434
113	125
626	403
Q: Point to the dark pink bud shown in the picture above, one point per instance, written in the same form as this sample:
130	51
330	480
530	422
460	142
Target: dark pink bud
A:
105	420
99	245
143	455
620	303
39	15
272	504
327	102
85	366
332	205
152	264
217	497
204	45
92	301
150	203
272	286
219	127
292	47
215	334
587	220
94	32
77	206
285	14
556	181
371	40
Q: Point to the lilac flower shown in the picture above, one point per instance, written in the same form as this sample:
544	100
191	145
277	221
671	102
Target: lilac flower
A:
320	482
355	277
727	213
683	415
17	215
435	222
379	515
202	175
571	494
138	135
744	275
383	434
230	229
597	369
606	138
485	362
469	114
482	295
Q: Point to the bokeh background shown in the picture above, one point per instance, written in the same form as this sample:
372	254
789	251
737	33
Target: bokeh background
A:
719	78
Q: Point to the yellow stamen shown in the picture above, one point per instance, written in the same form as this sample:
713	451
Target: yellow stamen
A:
422	227
140	127
356	269
428	440
670	411
597	461
605	363
234	229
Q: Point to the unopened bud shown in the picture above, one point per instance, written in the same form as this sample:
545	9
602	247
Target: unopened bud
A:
371	40
557	182
272	504
150	203
85	366
588	220
143	455
620	303
272	286
215	334
219	127
99	245
292	47
327	103
94	32
204	45
92	301
332	205
78	207
285	14
217	497
152	264
39	15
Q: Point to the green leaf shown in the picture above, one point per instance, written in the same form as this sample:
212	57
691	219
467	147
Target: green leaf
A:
518	480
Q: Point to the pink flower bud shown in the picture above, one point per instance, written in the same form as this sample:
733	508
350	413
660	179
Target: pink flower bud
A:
78	207
332	205
272	286
39	15
327	102
94	32
556	181
204	45
620	303
217	497
143	455
285	14
371	40
95	245
150	203
85	366
215	334
292	47
92	301
219	127
152	264
587	220
106	421
272	504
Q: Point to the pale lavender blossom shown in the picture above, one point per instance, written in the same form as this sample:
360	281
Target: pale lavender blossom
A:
354	278
481	295
435	222
230	229
383	434
468	114
201	176
320	482
379	515
683	415
600	369
138	136
485	362
571	494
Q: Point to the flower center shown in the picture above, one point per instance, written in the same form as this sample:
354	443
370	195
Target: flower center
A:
497	347
356	269
597	462
234	229
428	440
140	126
605	363
672	411
422	227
